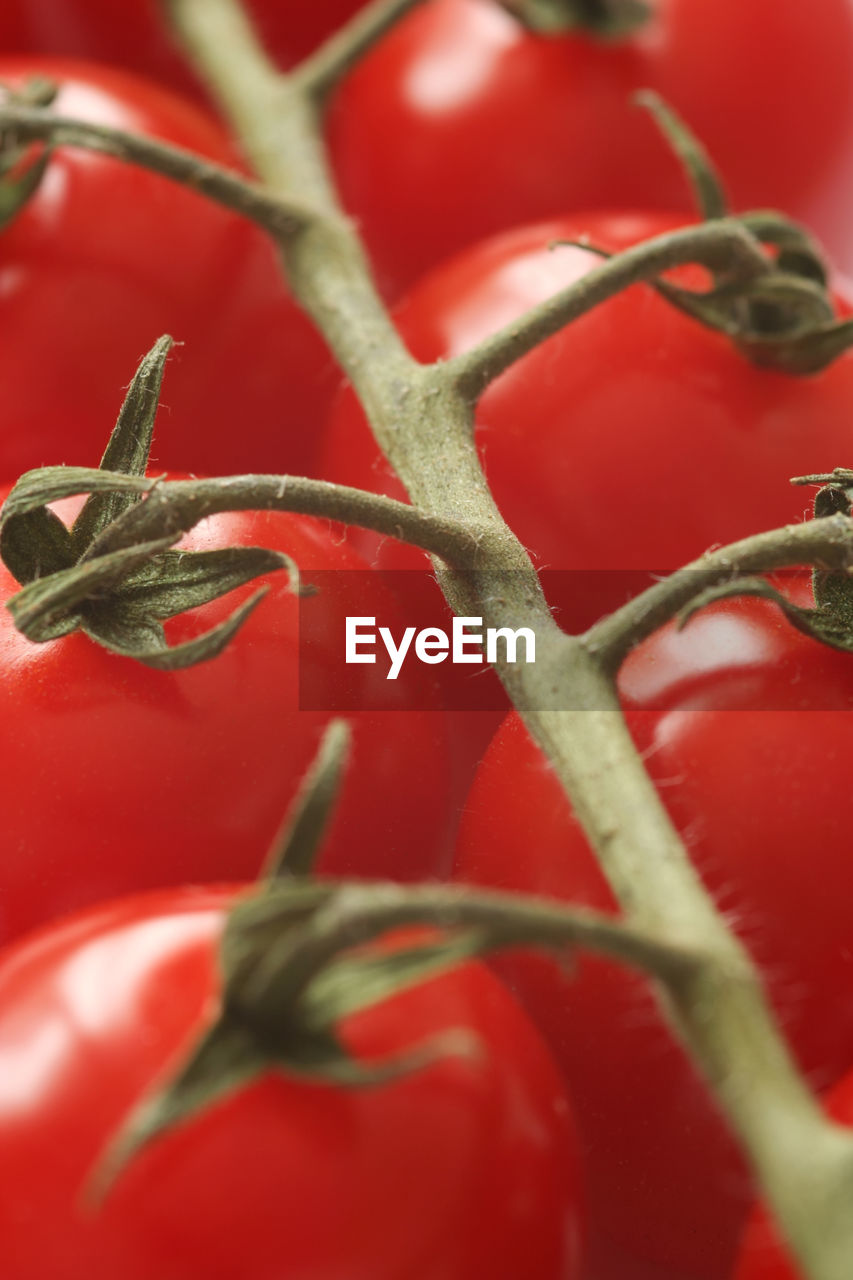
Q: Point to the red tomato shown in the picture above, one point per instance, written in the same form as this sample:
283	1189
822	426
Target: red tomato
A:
133	34
464	1169
763	1256
635	417
194	769
106	257
751	779
461	123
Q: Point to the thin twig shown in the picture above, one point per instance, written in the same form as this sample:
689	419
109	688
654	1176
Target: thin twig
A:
179	505
723	244
825	543
240	194
358	913
424	423
319	73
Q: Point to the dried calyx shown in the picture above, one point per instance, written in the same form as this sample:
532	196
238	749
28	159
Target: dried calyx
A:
831	620
781	318
606	19
84	578
281	1002
22	167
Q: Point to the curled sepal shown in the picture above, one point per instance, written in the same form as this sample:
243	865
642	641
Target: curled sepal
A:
779	320
705	182
42	485
118	590
42	609
21	167
129	447
145	642
294	956
19	183
711	307
606	19
34	542
803	353
226	1057
229	1057
797	250
180	580
297	844
782	321
35	545
247	1038
258	920
827	623
362	979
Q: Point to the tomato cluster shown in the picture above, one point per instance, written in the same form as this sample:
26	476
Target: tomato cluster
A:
737	709
569	1136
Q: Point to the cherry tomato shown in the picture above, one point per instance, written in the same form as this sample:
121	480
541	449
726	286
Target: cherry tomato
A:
134	35
763	1257
461	123
193	770
748	743
464	1169
634	418
104	258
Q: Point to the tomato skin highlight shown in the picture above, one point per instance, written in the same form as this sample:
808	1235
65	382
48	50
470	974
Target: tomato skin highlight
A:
135	35
467	1168
751	777
634	417
106	257
461	123
196	768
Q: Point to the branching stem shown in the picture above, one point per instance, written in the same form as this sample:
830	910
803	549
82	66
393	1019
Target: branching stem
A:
720	245
179	505
355	914
422	418
322	71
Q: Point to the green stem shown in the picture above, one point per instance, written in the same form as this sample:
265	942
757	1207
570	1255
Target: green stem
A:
176	506
721	245
235	192
825	543
355	914
425	426
610	19
319	73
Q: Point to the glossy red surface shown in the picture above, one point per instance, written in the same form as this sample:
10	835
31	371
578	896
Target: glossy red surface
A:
752	778
117	777
462	123
633	418
464	1169
104	259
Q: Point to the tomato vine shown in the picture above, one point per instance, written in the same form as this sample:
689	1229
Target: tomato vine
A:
422	417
